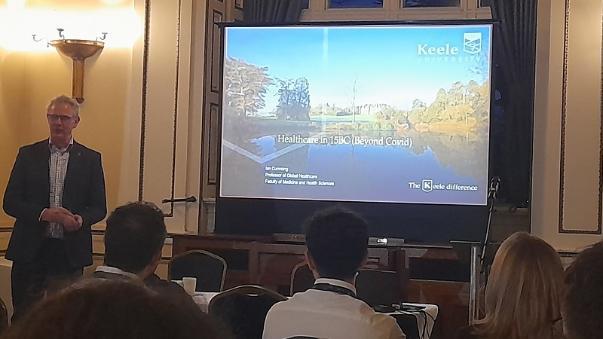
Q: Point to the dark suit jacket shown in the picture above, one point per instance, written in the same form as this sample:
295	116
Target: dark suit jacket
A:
166	288
28	193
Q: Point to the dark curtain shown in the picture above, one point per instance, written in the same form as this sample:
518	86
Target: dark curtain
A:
514	58
272	11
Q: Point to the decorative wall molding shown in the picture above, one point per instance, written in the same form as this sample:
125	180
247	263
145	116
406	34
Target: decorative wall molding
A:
562	227
175	112
145	103
213	143
216	13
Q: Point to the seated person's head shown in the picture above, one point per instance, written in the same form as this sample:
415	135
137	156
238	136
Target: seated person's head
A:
99	309
336	241
524	290
134	238
583	306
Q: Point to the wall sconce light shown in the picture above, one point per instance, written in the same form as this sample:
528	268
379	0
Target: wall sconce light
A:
78	50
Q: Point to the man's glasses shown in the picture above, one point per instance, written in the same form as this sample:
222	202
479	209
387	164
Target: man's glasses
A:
55	118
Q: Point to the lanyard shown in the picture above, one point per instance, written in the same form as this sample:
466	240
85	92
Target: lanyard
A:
334	289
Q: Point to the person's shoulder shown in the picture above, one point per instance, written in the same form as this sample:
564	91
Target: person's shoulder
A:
283	304
86	149
172	292
33	153
108	276
165	285
102	275
275	313
34	146
162	286
300	298
291	304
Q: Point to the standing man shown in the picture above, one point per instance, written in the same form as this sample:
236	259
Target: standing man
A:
56	191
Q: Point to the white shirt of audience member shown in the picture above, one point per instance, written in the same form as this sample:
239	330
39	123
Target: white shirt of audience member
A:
326	314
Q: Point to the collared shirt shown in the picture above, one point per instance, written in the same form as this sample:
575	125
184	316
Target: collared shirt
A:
117	271
326	314
59	159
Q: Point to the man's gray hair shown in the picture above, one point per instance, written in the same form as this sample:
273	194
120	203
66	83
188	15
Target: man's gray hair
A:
65	100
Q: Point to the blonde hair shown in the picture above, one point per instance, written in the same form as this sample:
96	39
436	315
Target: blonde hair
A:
65	100
524	291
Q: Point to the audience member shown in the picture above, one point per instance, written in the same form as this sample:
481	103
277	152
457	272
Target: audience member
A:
523	293
133	242
583	306
101	309
337	242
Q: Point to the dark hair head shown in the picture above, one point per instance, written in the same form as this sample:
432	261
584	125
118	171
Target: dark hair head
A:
337	240
99	309
583	306
135	234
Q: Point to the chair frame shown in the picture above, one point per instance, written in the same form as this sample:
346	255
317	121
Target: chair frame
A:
293	271
245	289
213	255
402	283
4	320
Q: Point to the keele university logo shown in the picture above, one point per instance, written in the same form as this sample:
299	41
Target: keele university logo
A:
427	185
472	43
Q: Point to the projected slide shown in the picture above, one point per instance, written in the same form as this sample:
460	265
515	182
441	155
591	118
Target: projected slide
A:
357	113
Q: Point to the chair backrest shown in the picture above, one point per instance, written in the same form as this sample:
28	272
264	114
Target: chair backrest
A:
208	268
3	316
301	278
244	309
377	287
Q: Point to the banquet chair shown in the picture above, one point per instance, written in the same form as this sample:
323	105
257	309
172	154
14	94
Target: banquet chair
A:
208	268
3	316
301	278
243	309
375	287
379	287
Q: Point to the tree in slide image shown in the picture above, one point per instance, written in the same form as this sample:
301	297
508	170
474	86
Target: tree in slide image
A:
294	100
244	88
